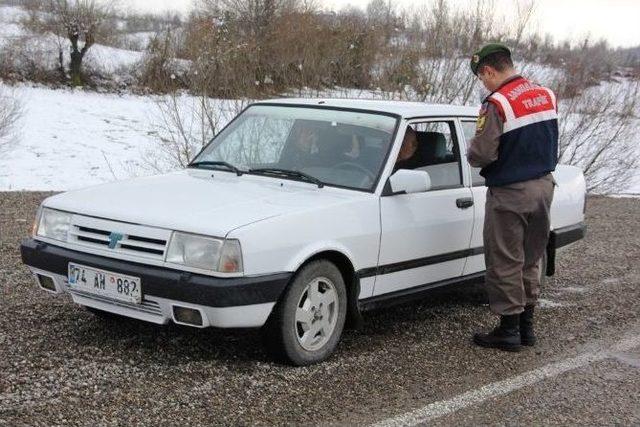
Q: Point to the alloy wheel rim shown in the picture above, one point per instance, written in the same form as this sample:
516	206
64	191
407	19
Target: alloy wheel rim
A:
316	314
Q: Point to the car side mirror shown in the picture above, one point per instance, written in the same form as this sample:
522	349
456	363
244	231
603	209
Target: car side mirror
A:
410	181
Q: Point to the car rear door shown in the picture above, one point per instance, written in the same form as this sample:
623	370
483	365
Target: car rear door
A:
426	236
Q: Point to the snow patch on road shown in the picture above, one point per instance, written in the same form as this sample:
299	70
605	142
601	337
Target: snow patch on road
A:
611	281
547	303
573	289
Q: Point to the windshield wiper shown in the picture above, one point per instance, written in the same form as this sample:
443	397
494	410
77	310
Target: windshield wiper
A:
216	165
288	173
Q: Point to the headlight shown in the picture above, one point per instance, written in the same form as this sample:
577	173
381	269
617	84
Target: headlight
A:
53	224
203	252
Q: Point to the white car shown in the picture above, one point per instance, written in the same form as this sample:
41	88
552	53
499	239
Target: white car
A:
292	219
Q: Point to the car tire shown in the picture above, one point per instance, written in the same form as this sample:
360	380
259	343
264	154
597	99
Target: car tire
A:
307	323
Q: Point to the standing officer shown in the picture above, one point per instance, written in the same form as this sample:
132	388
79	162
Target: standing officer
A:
516	145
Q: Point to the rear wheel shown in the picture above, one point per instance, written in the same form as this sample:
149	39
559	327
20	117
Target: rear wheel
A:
306	325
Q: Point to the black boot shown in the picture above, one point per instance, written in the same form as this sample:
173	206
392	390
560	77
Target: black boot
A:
504	337
527	337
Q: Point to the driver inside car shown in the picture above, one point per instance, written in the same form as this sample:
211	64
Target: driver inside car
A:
326	150
408	157
307	141
303	149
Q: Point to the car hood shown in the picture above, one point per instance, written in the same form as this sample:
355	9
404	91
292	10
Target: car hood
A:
198	201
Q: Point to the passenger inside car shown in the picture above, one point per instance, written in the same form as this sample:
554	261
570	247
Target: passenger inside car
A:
302	148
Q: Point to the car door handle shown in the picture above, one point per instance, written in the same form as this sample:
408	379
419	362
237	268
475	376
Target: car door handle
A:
464	203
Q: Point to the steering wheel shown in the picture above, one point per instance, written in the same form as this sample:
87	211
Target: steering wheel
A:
353	165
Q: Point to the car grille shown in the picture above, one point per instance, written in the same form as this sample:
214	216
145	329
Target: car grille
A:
119	237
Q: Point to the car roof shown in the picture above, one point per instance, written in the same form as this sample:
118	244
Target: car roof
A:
402	108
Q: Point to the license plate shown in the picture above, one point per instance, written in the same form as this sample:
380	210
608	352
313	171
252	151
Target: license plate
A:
105	283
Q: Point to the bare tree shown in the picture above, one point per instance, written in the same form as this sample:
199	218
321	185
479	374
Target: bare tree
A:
598	133
160	70
10	113
185	124
430	61
383	16
524	13
77	24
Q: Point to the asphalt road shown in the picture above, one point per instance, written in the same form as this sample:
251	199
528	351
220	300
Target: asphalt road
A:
409	364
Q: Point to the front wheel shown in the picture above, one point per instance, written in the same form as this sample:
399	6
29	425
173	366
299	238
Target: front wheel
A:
307	322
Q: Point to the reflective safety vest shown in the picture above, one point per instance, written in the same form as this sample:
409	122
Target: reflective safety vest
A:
529	143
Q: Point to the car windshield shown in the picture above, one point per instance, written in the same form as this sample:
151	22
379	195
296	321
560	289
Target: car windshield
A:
334	147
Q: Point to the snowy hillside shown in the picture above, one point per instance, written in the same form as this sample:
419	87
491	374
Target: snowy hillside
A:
10	22
106	60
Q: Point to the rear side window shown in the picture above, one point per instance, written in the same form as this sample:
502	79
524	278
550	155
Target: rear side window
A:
469	130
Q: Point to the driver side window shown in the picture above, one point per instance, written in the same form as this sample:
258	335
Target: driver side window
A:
436	153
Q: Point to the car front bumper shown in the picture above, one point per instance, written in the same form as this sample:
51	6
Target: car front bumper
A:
222	302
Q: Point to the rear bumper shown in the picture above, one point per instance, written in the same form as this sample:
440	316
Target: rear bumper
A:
566	235
561	237
225	302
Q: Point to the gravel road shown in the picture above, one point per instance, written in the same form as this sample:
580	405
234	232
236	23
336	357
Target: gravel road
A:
60	365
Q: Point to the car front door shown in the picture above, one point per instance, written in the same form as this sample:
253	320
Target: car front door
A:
475	262
426	236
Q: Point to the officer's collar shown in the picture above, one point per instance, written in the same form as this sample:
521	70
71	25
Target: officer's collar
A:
503	84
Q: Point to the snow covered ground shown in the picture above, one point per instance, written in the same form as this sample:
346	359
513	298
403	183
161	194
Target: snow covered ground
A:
70	139
73	138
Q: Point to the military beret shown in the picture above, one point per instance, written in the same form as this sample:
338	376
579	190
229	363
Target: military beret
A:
486	50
